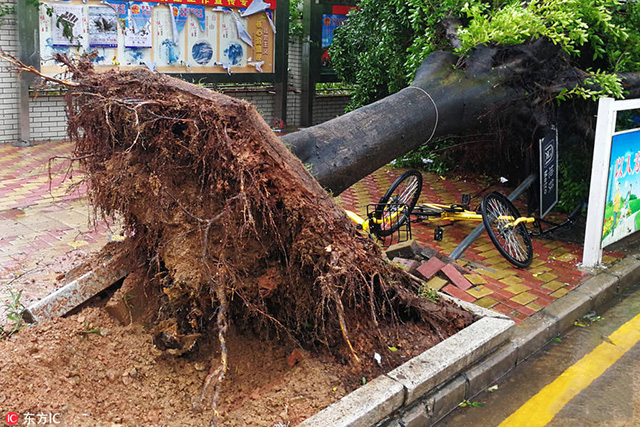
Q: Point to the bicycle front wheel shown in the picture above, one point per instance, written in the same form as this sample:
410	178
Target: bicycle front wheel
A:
514	243
394	208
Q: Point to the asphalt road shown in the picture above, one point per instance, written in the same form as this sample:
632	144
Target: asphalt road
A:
589	377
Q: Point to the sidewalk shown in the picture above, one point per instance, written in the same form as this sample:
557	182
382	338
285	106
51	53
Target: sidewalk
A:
492	282
45	231
44	220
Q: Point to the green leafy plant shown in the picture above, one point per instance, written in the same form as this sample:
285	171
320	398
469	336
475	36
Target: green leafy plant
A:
379	47
435	157
471	404
428	292
597	85
90	331
13	309
334	89
573	177
66	22
6	9
295	21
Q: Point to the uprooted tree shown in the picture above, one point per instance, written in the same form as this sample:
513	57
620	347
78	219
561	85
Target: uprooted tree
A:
226	225
495	75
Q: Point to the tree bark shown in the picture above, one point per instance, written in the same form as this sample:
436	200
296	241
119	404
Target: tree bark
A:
494	84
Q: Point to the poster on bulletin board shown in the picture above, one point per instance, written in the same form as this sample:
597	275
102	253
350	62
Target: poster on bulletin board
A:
203	36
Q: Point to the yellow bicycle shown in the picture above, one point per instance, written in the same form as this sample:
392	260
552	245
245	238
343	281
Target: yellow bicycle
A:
502	220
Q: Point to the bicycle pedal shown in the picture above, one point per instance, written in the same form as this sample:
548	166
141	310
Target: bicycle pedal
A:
438	234
466	200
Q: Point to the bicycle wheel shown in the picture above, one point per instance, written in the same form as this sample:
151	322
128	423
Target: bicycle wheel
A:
514	243
394	208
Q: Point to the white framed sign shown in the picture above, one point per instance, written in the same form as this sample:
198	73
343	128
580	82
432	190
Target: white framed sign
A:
615	180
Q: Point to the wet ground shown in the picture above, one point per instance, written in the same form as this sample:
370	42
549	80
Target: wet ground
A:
498	285
45	227
611	399
45	231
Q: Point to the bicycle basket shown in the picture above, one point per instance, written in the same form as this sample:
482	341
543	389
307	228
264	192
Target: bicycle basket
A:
389	222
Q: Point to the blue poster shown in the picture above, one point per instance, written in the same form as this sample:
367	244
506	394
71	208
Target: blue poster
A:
182	12
121	8
329	25
622	205
141	13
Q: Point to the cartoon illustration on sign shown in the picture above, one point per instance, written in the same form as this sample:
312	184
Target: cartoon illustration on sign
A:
622	205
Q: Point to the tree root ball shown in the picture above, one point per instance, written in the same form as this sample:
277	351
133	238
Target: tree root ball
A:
226	225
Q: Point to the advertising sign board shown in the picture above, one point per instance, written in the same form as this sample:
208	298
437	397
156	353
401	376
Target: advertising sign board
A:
615	181
623	185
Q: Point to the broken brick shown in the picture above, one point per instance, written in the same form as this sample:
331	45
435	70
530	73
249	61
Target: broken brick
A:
456	277
430	268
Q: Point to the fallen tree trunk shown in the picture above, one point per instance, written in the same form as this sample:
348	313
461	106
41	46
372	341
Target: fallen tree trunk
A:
514	84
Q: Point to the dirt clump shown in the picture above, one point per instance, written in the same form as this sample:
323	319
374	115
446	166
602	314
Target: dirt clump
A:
226	227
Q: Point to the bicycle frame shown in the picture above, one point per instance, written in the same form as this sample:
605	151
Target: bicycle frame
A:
363	224
459	213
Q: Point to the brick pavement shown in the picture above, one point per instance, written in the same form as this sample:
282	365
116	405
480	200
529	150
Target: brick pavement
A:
495	283
44	231
44	219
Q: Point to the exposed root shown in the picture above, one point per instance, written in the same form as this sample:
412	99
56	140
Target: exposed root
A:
21	68
231	225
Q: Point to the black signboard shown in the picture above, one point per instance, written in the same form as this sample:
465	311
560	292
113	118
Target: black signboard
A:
548	171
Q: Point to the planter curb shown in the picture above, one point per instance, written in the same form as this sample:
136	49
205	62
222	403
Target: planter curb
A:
435	382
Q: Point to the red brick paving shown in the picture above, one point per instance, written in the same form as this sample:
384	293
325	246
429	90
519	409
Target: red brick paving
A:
431	267
456	277
44	221
43	224
482	257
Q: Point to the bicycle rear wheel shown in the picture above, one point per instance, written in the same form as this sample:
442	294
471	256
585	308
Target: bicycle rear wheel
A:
394	208
514	243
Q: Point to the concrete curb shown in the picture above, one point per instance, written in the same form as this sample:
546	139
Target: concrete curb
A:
527	338
378	399
434	383
60	302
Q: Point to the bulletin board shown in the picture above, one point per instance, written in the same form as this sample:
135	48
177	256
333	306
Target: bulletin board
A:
195	36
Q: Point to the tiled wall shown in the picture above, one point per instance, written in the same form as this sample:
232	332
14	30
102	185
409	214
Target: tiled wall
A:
9	89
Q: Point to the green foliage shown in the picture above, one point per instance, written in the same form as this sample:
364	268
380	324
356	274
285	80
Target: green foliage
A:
379	47
433	157
368	51
6	9
470	404
573	185
334	89
627	120
597	85
428	292
295	20
13	309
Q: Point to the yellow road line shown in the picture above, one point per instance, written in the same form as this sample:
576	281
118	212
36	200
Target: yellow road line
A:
541	408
